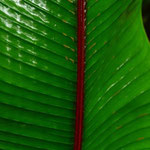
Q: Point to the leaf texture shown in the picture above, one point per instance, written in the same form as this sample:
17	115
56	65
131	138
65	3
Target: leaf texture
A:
37	74
38	69
117	82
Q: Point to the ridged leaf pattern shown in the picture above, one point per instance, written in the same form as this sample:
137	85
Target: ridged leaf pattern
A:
38	74
38	71
117	82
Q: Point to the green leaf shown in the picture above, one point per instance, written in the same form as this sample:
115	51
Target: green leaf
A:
117	83
37	74
38	69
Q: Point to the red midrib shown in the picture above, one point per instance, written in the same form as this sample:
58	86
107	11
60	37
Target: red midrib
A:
80	74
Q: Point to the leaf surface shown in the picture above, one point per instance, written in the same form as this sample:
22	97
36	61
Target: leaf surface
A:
117	82
38	74
38	71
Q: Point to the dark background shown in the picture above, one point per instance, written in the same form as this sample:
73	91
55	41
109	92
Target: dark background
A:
146	16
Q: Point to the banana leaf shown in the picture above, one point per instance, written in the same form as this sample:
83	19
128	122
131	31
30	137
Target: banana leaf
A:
38	75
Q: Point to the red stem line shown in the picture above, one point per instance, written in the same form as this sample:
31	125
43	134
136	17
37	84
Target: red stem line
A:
80	75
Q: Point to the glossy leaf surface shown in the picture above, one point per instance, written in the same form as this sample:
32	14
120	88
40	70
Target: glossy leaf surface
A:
38	69
38	74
